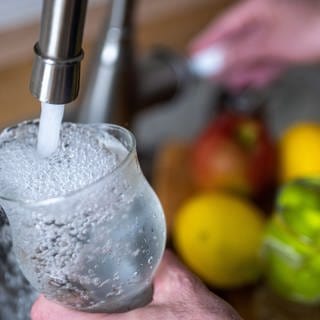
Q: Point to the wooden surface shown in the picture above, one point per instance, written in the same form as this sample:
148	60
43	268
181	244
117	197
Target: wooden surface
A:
171	178
172	183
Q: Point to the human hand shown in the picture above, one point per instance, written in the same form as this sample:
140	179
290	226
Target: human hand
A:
178	294
256	40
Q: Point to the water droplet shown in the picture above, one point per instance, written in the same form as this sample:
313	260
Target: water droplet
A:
96	281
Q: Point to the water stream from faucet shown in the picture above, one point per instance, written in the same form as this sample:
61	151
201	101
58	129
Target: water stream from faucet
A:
49	128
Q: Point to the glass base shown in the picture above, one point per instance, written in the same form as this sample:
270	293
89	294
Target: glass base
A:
125	304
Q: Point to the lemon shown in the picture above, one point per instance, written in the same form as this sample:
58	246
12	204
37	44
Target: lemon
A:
299	152
218	236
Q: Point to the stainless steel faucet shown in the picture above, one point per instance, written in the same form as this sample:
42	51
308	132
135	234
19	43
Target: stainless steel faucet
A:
56	69
118	84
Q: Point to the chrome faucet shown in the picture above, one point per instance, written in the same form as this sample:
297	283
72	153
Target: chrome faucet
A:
56	69
118	83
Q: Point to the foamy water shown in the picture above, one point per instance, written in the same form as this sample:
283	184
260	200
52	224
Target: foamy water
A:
49	128
81	156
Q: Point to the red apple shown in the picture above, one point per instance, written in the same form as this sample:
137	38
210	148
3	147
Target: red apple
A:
234	152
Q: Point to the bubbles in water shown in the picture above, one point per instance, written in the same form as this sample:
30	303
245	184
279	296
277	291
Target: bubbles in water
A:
106	243
82	157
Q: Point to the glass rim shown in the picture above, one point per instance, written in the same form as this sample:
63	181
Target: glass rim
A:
57	199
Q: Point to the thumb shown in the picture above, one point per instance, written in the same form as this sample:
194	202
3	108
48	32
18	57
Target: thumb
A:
174	282
177	288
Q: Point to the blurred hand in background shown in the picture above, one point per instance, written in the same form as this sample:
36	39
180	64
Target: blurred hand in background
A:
257	40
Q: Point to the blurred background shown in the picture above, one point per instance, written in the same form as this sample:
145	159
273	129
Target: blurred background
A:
216	158
166	23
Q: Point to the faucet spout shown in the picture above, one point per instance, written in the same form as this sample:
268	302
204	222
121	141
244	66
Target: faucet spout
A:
56	69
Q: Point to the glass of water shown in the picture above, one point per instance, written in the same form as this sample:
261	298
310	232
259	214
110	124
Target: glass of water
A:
88	238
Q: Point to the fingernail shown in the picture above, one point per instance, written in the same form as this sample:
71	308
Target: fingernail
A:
208	62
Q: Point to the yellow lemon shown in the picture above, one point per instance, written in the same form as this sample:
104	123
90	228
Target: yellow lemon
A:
219	236
299	152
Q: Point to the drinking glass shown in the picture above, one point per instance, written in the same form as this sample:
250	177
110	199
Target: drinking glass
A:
95	249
